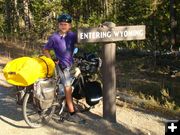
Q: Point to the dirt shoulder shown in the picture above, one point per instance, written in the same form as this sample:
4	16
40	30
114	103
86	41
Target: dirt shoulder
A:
129	121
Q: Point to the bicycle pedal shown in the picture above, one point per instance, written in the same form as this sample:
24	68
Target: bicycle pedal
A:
61	119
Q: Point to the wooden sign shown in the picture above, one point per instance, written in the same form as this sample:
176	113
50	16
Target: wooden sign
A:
120	33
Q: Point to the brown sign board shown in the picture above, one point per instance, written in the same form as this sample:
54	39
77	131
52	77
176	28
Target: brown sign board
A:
120	33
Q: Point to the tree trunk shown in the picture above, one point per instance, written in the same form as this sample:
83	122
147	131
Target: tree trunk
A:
106	8
16	20
8	16
27	15
173	24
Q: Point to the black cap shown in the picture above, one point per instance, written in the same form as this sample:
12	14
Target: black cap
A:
64	18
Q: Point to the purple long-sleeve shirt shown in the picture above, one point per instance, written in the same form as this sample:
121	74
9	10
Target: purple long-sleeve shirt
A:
63	47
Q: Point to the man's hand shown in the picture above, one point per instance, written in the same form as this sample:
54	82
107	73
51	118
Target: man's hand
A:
47	53
57	62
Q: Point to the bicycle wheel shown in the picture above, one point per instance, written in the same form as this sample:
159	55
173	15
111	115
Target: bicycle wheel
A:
33	116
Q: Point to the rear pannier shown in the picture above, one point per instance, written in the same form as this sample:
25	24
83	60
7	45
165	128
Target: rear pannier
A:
44	93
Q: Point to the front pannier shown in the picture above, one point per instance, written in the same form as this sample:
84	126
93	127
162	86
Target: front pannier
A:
93	93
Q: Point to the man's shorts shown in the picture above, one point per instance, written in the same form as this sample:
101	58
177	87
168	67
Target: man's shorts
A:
66	77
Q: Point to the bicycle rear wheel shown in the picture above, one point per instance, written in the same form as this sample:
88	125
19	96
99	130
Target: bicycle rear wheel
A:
33	116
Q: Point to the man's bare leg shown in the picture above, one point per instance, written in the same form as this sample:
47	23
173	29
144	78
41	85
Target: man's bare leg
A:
72	117
68	91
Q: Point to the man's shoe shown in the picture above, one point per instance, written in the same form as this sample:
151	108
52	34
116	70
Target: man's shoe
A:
76	118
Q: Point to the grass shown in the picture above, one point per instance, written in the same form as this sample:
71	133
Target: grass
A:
149	80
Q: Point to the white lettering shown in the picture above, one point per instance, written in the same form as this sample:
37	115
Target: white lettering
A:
97	35
131	33
81	36
104	35
121	32
90	35
85	35
125	33
116	33
93	35
108	34
141	32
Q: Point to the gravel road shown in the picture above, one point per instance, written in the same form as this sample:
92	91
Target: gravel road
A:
129	121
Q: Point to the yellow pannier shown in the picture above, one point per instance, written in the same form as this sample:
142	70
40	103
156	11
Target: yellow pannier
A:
25	71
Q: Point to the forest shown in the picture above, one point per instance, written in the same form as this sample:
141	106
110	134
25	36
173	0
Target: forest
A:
35	20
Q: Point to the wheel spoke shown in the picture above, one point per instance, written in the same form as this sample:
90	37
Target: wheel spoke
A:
33	116
32	113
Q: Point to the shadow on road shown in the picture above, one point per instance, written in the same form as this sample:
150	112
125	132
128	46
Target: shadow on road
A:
95	124
9	110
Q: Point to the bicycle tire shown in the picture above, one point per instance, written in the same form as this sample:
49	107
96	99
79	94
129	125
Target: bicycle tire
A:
42	119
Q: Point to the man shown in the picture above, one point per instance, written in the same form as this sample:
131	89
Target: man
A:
62	43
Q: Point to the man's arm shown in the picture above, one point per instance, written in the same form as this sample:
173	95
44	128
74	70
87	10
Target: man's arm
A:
48	46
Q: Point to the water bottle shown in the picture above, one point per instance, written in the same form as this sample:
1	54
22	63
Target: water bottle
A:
77	72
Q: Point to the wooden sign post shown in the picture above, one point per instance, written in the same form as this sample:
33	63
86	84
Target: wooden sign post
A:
109	33
109	78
